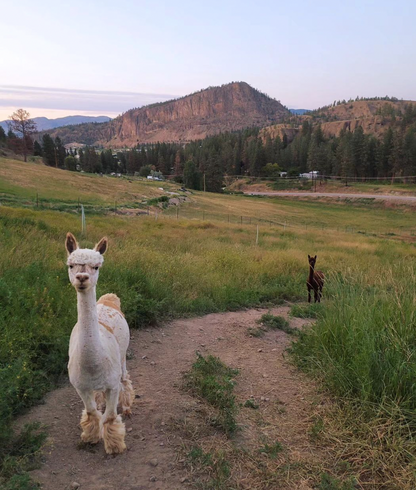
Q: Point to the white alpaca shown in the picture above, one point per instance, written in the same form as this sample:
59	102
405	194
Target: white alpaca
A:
97	350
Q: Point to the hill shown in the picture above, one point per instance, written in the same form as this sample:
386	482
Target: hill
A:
375	116
211	111
44	123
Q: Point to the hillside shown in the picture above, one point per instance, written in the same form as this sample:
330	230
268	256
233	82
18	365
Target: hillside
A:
44	123
374	116
217	109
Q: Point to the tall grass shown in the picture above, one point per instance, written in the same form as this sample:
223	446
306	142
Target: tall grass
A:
363	348
365	339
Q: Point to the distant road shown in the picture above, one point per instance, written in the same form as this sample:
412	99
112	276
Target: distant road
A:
382	197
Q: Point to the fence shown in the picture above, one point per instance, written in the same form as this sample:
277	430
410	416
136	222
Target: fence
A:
181	212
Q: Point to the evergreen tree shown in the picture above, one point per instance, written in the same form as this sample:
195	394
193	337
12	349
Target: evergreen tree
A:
191	176
213	174
60	153
2	136
37	149
70	163
48	150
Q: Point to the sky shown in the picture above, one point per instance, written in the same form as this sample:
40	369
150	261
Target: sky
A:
104	57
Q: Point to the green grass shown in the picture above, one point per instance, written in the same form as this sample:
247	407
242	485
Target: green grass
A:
213	463
272	450
273	322
20	454
310	310
328	482
213	381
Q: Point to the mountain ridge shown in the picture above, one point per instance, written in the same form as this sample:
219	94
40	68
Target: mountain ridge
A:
210	111
44	123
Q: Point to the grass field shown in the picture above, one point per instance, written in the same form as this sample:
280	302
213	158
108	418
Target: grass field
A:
371	186
362	347
25	180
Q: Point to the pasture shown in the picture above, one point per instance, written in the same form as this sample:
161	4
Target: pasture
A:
362	347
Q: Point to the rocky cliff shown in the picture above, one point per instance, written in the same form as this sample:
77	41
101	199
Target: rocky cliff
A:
374	116
217	109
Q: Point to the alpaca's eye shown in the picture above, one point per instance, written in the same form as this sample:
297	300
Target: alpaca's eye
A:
71	266
96	268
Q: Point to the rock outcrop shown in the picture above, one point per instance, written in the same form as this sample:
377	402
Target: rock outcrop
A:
230	107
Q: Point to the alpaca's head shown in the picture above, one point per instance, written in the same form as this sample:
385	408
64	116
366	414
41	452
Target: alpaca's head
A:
312	260
83	263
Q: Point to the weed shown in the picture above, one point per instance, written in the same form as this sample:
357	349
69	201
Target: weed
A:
310	310
328	482
272	450
277	323
19	455
250	403
317	428
212	380
255	332
215	464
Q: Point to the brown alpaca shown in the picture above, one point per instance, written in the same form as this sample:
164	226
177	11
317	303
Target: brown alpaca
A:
315	280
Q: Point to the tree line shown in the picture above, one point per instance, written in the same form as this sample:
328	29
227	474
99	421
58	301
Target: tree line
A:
204	163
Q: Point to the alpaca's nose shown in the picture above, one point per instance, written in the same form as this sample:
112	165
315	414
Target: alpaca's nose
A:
82	277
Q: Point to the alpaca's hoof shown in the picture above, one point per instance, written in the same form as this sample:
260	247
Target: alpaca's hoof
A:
87	438
127	412
90	424
114	432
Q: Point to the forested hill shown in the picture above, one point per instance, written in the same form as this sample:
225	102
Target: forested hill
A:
211	111
375	115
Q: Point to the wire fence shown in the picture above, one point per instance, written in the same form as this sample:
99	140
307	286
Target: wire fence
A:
182	212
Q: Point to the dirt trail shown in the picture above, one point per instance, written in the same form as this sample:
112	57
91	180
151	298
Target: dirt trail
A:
338	195
155	457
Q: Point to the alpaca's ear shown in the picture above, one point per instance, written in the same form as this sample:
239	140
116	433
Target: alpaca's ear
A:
102	246
309	256
71	243
316	257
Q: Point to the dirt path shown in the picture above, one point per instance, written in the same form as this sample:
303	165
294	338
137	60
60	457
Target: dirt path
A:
165	415
382	197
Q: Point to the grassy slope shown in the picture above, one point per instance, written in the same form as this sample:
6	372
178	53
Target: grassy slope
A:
26	179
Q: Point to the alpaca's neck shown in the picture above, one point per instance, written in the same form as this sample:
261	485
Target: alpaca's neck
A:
88	324
311	272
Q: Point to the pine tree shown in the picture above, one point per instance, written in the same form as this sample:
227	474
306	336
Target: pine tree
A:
48	150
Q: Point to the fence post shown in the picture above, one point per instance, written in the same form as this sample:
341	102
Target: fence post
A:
241	220
83	221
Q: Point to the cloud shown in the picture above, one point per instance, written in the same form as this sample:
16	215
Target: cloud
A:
75	100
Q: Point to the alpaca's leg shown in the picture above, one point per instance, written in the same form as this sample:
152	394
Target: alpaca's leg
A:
91	417
100	400
315	291
309	295
320	294
113	428
126	394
